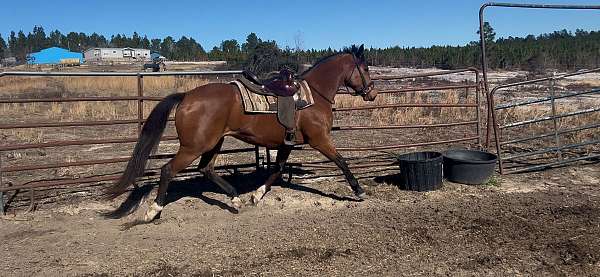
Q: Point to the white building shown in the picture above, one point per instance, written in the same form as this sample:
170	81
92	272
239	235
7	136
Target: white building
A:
118	55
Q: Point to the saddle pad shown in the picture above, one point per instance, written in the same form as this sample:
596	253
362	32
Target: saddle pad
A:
258	103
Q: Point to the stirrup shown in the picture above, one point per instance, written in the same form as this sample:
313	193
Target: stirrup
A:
290	138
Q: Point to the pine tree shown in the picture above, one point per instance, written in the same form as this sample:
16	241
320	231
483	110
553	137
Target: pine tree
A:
57	39
22	47
145	43
3	47
167	48
231	50
489	35
155	44
37	39
12	43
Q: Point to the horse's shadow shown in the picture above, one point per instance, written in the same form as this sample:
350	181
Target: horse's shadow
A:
198	186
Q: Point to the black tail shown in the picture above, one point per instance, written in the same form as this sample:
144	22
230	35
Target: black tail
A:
148	140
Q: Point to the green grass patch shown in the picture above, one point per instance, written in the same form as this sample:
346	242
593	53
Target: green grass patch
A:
493	181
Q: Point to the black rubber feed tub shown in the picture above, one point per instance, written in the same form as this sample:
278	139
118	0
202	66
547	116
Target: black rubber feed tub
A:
421	171
469	166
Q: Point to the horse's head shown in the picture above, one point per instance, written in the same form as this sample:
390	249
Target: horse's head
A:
359	79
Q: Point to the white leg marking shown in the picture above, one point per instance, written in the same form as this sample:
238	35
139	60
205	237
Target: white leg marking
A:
152	212
237	202
258	194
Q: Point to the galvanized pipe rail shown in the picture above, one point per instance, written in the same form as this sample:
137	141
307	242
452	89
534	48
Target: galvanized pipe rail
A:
140	119
391	127
551	117
482	44
554	116
470	137
551	149
93	179
558	163
428	74
541	100
561	132
118	74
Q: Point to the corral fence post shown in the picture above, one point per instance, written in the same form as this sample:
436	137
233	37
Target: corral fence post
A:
478	115
140	103
554	118
1	185
257	157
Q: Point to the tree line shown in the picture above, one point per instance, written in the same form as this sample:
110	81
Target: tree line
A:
19	44
560	50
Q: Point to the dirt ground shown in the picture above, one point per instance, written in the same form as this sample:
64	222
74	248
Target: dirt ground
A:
544	223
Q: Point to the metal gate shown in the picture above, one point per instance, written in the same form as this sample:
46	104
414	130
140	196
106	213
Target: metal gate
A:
469	128
515	160
553	130
140	98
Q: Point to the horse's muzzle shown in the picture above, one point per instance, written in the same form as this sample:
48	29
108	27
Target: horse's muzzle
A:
371	95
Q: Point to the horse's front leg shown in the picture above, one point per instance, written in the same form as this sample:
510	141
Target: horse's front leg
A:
283	153
326	147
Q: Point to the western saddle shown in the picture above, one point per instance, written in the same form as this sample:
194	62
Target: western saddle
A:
283	86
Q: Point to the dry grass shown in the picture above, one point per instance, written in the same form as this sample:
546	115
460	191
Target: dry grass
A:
542	110
18	87
44	87
414	115
41	87
25	135
62	87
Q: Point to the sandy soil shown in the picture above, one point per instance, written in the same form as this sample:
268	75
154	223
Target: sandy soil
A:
544	223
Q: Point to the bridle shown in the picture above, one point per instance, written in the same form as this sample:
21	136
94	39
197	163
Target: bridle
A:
366	88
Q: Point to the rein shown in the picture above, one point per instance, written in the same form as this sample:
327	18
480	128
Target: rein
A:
320	94
366	88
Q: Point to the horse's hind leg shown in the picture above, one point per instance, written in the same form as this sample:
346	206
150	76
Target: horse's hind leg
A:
207	166
282	155
184	157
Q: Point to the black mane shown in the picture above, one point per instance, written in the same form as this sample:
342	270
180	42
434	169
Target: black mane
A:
347	50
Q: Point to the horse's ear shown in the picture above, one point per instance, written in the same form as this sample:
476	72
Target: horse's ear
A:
361	52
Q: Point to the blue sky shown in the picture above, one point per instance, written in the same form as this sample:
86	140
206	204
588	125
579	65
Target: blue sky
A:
319	24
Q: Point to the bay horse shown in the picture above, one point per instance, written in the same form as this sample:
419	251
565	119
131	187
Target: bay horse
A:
206	114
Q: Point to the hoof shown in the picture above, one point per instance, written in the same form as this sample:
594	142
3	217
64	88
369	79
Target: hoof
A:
152	212
237	203
362	196
258	195
254	199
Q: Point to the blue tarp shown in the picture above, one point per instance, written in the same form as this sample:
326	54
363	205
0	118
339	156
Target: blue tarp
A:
52	55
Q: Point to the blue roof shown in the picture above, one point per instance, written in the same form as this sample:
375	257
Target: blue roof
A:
52	55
